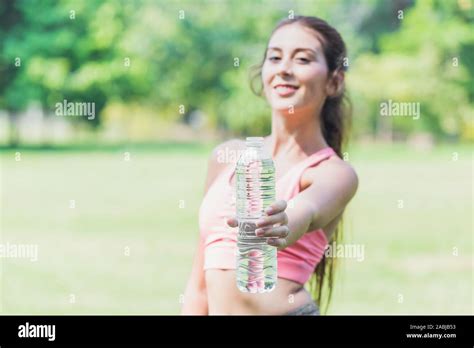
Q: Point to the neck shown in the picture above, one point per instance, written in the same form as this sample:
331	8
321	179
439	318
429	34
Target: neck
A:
296	135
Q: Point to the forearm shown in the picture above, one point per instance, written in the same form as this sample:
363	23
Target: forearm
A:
301	214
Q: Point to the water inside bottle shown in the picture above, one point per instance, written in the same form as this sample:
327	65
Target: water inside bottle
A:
255	181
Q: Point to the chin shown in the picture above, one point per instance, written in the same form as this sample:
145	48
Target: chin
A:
285	106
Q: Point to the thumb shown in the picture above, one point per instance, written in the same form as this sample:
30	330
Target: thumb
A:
232	222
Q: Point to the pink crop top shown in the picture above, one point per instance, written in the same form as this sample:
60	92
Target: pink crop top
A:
296	262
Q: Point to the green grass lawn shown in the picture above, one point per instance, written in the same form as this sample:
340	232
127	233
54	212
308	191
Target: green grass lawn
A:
127	245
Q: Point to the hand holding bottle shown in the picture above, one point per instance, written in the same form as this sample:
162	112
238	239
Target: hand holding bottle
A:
273	225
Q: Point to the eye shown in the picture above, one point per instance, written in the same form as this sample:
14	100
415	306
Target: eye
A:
303	60
274	58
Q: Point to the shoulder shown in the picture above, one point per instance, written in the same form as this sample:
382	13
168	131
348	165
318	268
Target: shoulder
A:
342	169
333	170
332	184
223	155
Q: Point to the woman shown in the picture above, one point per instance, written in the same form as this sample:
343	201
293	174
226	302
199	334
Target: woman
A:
302	75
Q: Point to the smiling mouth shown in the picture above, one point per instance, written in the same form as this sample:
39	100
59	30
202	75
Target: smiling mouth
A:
285	89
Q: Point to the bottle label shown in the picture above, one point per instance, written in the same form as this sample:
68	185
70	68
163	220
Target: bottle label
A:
247	229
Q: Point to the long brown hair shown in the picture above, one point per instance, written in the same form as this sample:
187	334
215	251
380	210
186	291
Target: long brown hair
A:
335	124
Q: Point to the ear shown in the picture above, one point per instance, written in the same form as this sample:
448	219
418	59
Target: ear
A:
335	84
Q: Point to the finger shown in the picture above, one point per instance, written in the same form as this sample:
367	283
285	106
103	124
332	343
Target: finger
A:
280	243
280	218
278	232
276	207
232	222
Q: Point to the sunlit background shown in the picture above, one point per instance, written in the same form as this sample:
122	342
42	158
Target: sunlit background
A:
111	198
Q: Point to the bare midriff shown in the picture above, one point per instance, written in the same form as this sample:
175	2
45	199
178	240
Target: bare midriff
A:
224	298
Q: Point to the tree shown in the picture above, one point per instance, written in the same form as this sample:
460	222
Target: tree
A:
427	62
67	50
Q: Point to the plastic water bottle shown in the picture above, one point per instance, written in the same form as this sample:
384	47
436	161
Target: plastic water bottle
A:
255	182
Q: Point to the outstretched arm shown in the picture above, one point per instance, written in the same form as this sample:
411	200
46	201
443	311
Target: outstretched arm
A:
332	187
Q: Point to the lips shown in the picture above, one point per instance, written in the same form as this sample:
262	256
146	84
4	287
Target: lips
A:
285	90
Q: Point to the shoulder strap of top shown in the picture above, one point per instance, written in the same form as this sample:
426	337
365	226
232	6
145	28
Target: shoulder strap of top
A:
316	157
292	184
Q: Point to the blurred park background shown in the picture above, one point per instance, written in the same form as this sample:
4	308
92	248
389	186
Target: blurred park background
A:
112	200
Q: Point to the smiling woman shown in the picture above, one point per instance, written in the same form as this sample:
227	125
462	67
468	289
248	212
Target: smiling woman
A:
302	76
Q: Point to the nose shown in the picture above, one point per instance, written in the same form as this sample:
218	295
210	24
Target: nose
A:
285	67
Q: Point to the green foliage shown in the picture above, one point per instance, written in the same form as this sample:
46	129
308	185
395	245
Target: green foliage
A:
426	62
166	54
67	50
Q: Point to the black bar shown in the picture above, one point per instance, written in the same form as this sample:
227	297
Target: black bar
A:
224	330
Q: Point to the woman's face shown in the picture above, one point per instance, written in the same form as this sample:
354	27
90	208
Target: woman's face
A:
294	73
